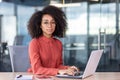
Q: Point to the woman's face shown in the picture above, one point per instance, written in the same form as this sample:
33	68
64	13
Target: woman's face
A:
48	25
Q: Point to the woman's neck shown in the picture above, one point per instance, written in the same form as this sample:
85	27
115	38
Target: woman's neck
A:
48	36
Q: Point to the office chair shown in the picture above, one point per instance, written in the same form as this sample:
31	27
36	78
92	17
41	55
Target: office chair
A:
19	58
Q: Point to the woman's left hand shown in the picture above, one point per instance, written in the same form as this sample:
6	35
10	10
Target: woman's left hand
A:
74	68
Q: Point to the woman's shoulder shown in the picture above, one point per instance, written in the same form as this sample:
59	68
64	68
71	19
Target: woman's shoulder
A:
57	40
34	41
34	45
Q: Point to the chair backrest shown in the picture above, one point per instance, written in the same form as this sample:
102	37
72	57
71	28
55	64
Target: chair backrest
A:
19	58
18	40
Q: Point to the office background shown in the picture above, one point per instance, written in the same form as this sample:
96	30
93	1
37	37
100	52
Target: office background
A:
92	24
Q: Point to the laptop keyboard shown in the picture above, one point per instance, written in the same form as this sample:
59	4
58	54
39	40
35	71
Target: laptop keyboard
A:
78	73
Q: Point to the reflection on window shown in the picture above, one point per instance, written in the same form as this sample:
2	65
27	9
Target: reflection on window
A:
77	19
102	16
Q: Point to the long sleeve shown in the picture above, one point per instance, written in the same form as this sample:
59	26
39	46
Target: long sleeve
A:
61	66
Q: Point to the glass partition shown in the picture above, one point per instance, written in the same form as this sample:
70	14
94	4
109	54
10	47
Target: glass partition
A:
102	29
75	47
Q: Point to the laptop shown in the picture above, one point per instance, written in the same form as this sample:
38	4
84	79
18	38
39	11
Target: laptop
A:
90	67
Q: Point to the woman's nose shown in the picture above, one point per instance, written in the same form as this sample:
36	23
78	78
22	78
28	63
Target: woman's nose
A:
50	24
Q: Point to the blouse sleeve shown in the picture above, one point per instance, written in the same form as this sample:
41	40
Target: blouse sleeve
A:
61	65
35	60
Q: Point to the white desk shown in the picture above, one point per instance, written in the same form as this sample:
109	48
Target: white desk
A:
96	76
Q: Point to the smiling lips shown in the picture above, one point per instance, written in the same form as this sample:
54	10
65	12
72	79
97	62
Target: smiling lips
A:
50	30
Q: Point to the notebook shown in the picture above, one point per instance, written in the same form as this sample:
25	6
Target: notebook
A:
90	67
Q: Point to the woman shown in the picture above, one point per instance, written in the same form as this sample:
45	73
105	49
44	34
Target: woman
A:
45	51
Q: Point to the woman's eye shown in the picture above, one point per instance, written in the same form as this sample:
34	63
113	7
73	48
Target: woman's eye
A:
48	23
45	22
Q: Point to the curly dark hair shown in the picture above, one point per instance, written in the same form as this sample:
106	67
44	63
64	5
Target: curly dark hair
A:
35	22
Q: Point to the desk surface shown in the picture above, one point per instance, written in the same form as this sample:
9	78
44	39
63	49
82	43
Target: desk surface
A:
96	76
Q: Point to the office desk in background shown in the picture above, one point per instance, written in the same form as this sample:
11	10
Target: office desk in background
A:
96	76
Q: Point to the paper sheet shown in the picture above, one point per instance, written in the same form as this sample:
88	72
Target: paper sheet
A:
24	77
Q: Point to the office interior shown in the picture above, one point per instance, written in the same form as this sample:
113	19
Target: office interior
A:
92	25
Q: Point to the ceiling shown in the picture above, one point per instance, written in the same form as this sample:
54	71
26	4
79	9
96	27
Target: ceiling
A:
29	2
47	2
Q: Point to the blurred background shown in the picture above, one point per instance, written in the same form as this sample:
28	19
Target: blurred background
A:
92	24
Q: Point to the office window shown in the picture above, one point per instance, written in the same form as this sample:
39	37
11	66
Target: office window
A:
23	15
6	8
75	52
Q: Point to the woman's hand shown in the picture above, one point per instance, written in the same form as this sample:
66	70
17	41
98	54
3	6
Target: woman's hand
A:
70	71
66	71
74	68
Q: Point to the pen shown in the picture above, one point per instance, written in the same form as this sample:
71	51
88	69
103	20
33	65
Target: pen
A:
19	76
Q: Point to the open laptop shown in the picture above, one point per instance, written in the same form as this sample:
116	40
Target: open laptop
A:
90	67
